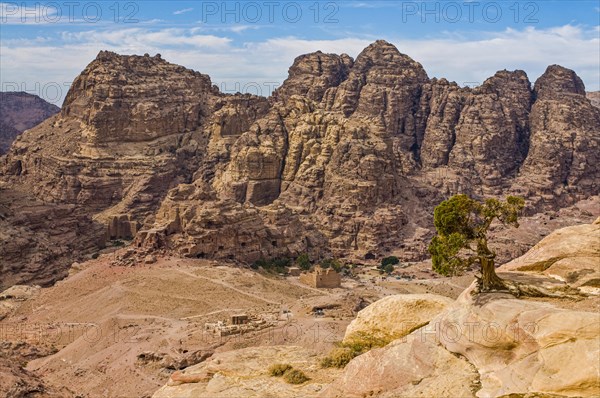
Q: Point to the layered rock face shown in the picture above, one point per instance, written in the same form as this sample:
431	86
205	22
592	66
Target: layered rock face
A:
483	346
569	254
20	111
133	99
356	168
594	97
563	156
39	241
347	158
383	316
131	128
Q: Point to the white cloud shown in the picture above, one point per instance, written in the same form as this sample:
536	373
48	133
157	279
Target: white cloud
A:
139	39
530	49
265	63
183	11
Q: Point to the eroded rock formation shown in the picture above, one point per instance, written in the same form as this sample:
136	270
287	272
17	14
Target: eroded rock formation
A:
359	165
20	111
347	158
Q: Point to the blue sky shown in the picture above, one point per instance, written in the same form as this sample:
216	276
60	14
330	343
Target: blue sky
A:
249	45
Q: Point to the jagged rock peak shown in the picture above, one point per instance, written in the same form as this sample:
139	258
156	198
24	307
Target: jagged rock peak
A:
502	77
111	56
384	54
312	74
127	70
381	79
137	98
557	81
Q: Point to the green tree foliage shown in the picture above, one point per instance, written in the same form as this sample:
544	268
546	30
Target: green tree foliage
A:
462	224
331	263
275	265
393	260
388	269
387	264
303	262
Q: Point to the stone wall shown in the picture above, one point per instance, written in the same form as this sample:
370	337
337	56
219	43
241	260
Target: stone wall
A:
322	278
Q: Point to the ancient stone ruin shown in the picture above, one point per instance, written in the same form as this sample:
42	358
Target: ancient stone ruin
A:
322	278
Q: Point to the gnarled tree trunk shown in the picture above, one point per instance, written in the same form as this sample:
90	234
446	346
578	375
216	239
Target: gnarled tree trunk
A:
489	279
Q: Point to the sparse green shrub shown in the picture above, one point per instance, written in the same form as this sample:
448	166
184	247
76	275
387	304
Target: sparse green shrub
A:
303	262
393	260
331	263
275	265
338	357
362	341
388	269
118	243
280	263
278	369
295	376
95	255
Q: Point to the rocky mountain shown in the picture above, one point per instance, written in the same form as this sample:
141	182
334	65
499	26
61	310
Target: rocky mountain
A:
347	158
594	97
20	111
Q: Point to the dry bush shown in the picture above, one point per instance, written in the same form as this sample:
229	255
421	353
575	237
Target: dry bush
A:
279	369
295	376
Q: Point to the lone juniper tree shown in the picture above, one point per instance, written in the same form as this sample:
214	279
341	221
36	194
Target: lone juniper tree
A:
462	224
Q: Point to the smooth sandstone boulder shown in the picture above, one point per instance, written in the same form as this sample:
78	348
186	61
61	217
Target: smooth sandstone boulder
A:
569	254
523	346
411	367
397	315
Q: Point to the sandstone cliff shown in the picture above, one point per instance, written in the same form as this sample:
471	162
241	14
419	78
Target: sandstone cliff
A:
484	346
353	155
568	254
594	97
347	158
20	111
131	128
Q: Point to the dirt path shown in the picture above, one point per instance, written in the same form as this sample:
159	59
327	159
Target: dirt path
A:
322	292
211	313
227	285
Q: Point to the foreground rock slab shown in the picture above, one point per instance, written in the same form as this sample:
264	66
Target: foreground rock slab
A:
244	373
524	346
411	367
397	315
570	254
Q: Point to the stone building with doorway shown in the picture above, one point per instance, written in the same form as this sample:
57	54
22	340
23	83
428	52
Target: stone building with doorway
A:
322	278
